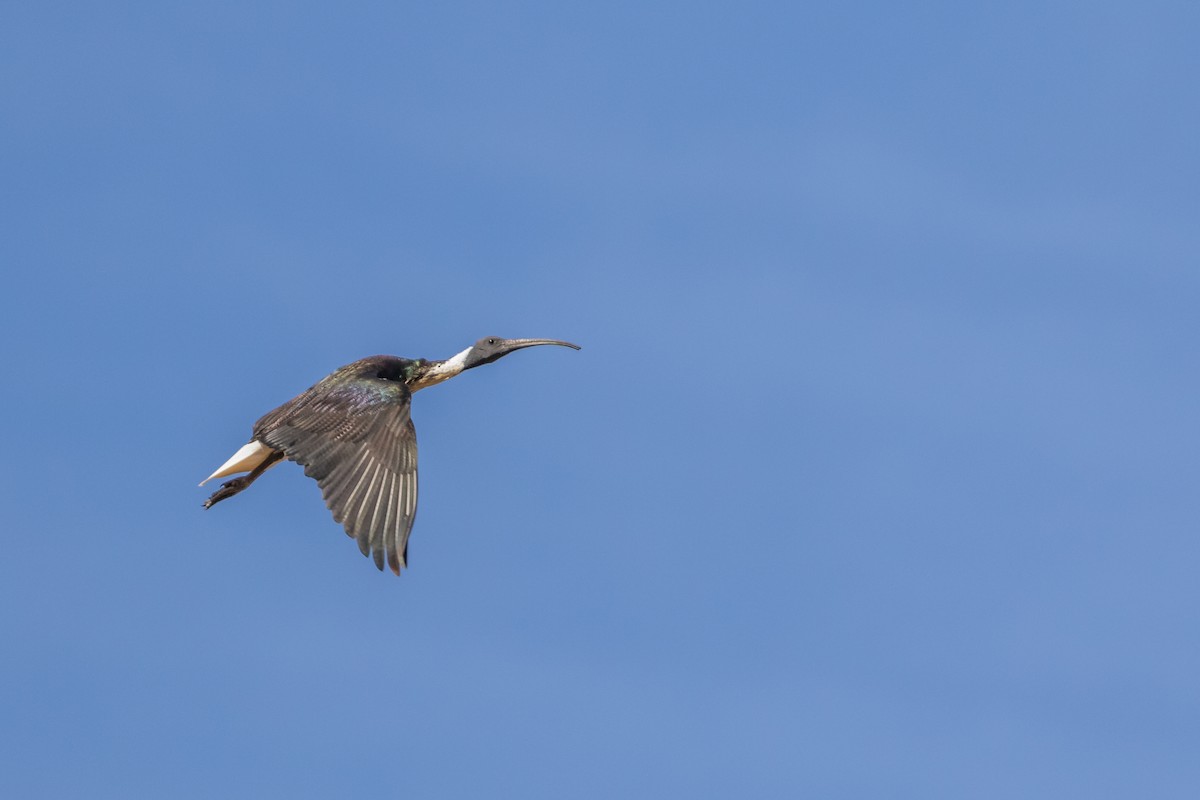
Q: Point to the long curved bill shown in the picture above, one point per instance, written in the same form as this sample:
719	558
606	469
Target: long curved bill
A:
509	345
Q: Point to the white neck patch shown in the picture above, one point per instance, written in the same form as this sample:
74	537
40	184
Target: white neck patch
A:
455	363
447	369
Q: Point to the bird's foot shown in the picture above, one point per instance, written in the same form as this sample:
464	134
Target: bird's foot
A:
227	490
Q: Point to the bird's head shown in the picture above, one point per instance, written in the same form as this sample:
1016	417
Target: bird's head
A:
490	348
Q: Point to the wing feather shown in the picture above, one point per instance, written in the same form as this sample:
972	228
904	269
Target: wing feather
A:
356	439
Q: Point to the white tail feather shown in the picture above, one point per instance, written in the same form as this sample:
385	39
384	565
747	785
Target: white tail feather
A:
250	456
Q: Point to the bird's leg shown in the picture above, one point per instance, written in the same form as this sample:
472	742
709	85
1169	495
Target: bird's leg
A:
230	488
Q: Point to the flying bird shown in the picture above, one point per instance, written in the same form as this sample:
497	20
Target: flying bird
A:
352	432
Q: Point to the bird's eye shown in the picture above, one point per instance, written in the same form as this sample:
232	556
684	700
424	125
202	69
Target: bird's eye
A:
491	341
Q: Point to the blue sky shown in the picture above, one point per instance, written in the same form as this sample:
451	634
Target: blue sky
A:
875	476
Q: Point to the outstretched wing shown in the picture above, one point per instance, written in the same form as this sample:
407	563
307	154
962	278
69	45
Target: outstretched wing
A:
357	440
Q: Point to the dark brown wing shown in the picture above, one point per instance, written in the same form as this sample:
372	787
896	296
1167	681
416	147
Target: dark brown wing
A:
354	435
